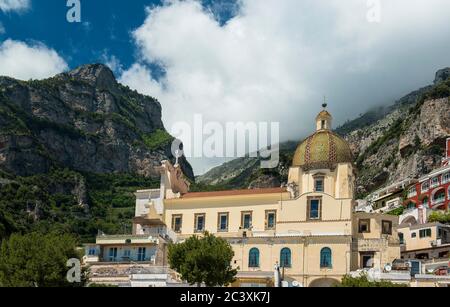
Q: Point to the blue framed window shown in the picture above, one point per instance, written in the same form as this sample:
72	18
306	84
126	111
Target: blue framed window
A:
246	220
318	184
325	258
199	222
314	209
425	233
271	217
285	258
113	254
223	221
253	258
141	255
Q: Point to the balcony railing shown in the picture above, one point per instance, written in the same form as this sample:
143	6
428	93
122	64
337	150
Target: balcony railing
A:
150	260
126	239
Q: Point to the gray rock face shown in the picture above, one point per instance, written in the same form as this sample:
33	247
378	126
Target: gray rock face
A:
432	126
97	75
442	75
264	182
230	170
402	145
83	120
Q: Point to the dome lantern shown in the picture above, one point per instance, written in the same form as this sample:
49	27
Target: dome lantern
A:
324	149
324	119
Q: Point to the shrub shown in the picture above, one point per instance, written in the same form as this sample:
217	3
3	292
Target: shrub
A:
363	282
157	139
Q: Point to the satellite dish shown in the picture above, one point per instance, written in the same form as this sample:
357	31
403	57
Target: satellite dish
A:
388	268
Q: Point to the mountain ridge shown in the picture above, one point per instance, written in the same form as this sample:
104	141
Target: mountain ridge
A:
378	139
83	119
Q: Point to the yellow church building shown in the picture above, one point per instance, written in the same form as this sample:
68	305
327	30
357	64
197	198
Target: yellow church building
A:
308	229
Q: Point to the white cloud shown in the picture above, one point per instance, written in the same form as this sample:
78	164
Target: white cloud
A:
139	78
112	62
276	59
29	61
14	5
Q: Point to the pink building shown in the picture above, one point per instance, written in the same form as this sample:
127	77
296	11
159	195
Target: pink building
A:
432	191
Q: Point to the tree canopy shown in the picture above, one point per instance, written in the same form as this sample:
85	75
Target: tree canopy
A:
441	217
203	260
37	260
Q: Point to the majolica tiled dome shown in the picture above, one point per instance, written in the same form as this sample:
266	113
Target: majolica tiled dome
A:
324	149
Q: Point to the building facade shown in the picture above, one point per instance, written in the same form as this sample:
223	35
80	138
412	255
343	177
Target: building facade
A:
425	241
390	197
419	238
308	229
375	241
433	190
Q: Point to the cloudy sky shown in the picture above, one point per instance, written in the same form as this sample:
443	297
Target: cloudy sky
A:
247	60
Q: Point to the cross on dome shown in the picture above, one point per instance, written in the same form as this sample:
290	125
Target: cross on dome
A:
325	104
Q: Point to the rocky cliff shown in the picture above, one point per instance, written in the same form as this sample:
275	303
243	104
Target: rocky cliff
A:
408	142
406	139
74	148
83	120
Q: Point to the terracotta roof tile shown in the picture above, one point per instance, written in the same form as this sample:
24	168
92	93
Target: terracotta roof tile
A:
234	193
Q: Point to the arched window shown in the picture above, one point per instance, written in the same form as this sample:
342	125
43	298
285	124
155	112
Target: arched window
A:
285	258
253	258
439	196
325	258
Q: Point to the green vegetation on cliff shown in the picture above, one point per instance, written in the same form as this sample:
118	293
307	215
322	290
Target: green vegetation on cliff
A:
157	139
69	202
73	150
